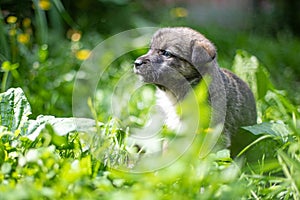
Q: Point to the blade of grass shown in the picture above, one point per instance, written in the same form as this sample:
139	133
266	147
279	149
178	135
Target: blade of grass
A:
254	195
3	41
55	20
94	113
253	143
286	161
41	23
60	8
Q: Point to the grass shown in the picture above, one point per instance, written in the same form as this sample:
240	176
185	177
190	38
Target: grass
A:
43	156
101	164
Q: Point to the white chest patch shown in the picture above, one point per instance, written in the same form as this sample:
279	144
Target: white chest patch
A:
167	101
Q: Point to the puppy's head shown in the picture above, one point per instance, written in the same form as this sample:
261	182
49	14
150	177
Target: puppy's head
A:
176	55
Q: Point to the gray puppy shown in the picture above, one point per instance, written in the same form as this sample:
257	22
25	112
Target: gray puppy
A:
177	60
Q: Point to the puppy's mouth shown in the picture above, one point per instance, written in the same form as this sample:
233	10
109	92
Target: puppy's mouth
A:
142	74
136	70
144	71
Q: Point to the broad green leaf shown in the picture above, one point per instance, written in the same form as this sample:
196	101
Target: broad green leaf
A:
248	68
61	126
275	129
14	108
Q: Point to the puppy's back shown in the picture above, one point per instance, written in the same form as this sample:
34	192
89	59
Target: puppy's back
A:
241	108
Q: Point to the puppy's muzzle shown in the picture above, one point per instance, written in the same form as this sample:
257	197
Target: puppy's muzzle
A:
138	63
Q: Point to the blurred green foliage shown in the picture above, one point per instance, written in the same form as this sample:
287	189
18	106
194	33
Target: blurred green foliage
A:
43	44
102	165
45	39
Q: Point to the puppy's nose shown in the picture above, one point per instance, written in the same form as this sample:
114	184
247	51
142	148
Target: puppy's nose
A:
138	63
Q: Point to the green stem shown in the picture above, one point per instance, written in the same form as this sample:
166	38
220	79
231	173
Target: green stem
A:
13	48
253	143
4	80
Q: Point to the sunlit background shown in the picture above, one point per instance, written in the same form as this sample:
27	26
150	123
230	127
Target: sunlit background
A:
43	42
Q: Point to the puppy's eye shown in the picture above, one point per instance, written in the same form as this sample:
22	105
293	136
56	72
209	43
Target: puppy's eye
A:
165	53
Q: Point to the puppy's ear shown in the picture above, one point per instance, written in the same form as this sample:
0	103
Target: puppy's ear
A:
202	52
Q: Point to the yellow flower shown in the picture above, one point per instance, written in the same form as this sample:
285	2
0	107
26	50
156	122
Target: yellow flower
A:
11	19
179	12
6	66
23	38
45	4
83	54
26	22
75	37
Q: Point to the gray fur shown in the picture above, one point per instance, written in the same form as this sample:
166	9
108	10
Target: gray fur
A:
193	56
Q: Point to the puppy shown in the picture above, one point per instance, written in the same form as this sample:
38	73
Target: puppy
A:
177	61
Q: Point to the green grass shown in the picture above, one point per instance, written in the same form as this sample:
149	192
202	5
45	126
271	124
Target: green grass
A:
43	157
99	163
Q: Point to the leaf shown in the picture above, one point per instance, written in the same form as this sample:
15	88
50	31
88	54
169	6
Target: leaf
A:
275	129
86	165
14	108
59	141
248	68
61	126
223	155
33	127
